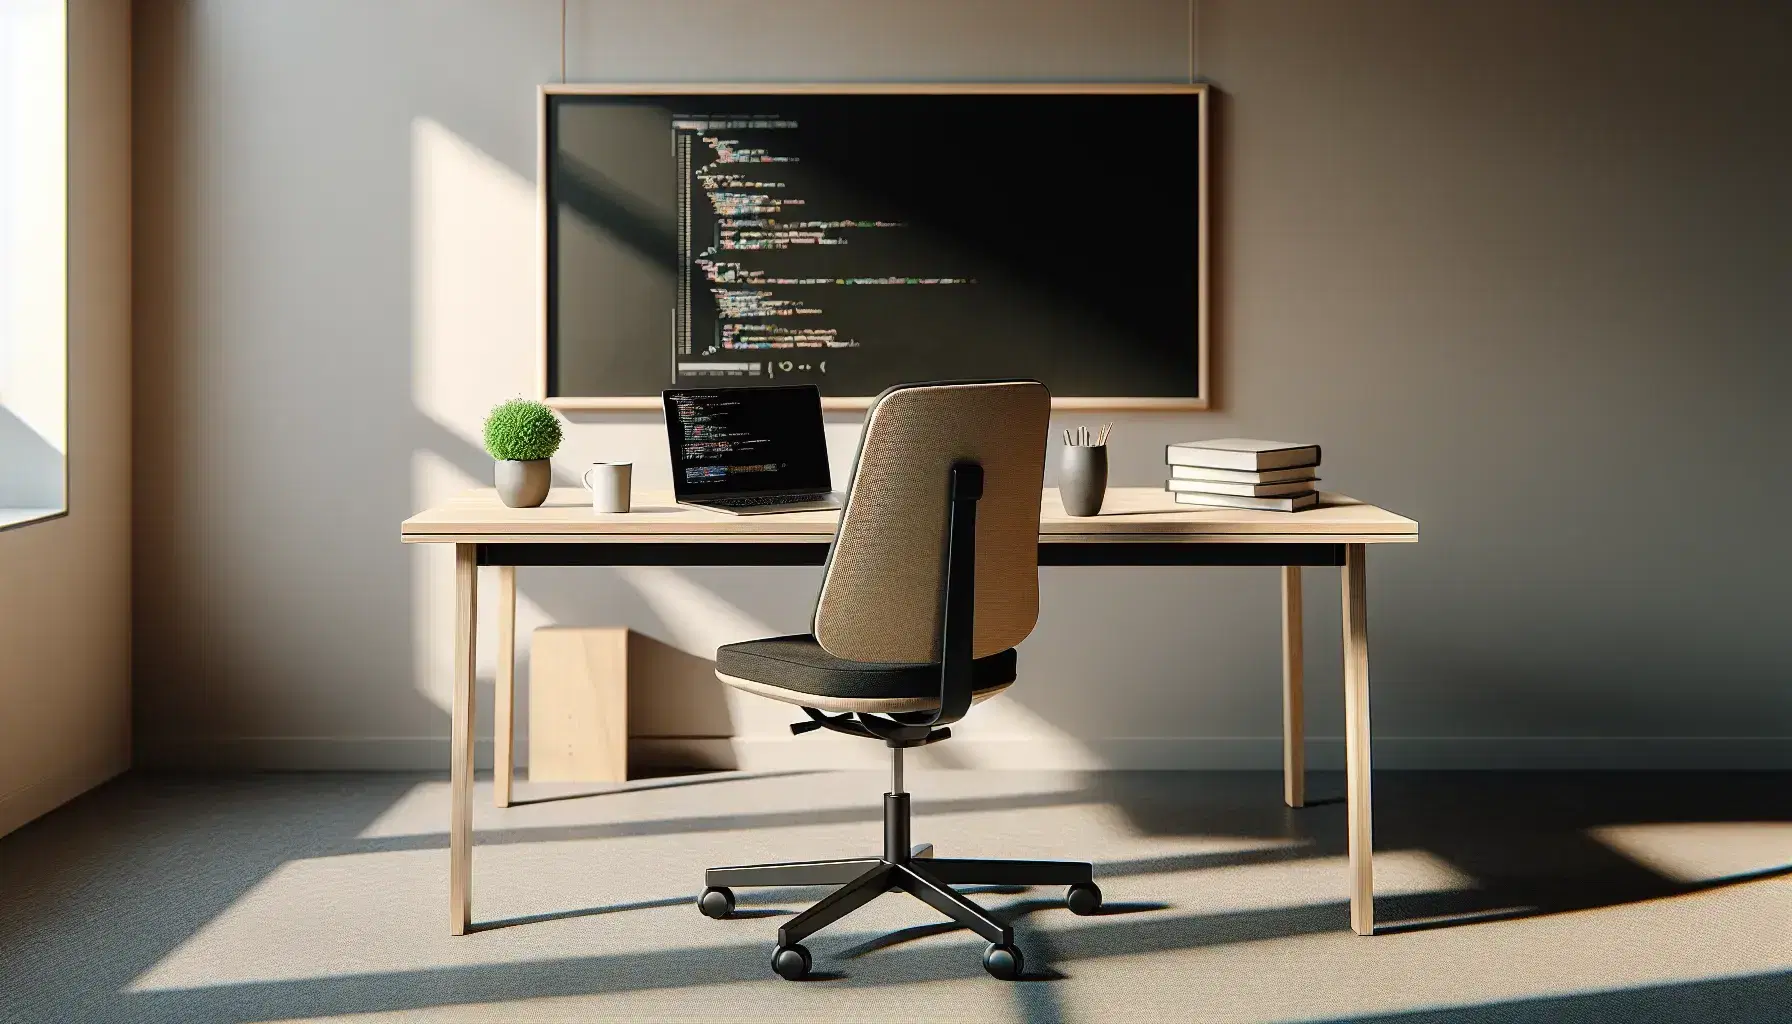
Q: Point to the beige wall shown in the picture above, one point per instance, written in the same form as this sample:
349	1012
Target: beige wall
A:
65	591
1521	268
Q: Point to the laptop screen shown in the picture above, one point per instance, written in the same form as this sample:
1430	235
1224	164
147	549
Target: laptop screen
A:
746	441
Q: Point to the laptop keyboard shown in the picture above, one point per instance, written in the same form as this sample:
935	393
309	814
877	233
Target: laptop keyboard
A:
770	499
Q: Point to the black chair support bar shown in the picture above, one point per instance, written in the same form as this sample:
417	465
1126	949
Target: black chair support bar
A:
958	607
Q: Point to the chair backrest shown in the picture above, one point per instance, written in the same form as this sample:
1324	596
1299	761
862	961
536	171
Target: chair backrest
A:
880	598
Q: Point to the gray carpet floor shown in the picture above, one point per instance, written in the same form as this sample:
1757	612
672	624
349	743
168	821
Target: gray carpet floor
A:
1509	897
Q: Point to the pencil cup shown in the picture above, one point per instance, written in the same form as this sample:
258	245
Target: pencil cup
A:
609	483
1083	478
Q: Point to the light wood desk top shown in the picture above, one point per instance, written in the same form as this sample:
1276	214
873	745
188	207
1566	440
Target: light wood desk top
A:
1128	514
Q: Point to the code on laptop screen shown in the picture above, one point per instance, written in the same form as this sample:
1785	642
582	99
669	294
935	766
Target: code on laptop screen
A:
747	441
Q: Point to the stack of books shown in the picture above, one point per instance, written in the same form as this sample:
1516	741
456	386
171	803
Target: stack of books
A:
1238	472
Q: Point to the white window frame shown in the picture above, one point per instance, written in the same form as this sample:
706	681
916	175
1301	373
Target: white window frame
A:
34	407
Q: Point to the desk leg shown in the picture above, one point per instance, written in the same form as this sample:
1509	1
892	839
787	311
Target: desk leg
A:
1294	726
504	690
460	772
1356	741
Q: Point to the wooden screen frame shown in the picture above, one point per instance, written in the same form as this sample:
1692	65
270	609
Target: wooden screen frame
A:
1202	399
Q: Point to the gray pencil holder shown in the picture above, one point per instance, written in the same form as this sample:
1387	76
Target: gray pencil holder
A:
1083	478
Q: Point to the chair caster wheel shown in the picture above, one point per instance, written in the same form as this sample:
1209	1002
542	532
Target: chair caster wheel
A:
716	902
1083	898
1002	961
791	962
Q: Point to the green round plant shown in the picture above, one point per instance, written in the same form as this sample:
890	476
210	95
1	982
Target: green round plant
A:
521	430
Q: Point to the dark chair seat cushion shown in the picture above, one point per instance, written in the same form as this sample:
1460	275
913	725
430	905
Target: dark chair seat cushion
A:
799	663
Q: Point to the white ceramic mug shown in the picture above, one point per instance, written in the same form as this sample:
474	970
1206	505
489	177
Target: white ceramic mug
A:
609	484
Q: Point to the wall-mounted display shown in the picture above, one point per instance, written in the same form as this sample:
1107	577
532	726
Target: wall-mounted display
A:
858	236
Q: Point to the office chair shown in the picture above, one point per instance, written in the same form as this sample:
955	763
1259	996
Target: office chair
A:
932	579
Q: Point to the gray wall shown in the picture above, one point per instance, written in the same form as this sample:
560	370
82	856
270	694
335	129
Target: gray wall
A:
1522	269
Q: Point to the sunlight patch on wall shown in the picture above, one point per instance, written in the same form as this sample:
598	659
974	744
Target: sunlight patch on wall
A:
700	621
475	278
434	478
1005	716
474	282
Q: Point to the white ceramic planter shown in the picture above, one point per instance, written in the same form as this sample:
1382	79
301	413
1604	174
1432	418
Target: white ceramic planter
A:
522	484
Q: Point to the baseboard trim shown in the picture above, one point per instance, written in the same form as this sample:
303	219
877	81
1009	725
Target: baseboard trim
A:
36	799
1212	753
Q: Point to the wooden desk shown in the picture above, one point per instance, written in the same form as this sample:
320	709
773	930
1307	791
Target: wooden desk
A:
1137	526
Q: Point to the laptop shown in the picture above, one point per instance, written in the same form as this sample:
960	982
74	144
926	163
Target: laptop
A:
749	451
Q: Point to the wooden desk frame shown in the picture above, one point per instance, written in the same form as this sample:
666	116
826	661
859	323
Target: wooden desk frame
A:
500	541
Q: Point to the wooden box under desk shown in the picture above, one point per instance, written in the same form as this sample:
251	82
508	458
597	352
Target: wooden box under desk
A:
578	705
604	698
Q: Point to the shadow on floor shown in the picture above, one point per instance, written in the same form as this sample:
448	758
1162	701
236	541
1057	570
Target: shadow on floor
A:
1525	838
546	793
1755	999
105	888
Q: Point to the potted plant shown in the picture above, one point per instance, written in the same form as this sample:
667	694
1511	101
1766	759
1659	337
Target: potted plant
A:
522	435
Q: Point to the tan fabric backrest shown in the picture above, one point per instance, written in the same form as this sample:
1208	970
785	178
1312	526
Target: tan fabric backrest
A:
880	598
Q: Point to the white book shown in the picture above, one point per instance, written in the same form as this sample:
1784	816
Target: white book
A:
1244	476
1305	501
1242	453
1281	490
